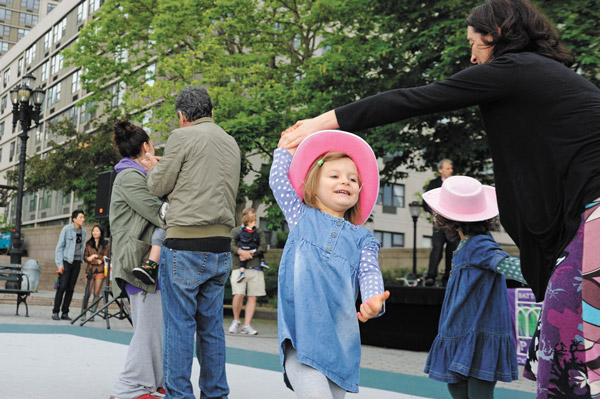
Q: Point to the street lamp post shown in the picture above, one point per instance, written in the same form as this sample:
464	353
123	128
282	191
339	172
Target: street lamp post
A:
415	210
27	106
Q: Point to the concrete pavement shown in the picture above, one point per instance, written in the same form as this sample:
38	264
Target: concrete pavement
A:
41	357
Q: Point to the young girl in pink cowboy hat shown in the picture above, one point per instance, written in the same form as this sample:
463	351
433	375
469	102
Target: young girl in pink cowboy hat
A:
474	346
326	191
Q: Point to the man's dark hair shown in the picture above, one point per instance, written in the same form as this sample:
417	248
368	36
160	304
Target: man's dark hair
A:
194	103
76	213
469	229
523	28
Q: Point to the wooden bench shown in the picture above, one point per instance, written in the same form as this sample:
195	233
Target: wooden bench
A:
13	275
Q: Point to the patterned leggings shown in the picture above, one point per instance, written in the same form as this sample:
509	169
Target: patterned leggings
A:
564	356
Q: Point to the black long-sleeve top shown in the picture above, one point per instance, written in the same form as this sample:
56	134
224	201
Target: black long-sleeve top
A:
543	128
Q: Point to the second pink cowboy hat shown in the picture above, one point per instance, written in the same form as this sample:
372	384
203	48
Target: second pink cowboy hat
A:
463	199
324	141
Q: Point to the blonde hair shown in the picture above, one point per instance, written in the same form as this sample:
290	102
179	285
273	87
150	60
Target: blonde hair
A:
311	181
249	217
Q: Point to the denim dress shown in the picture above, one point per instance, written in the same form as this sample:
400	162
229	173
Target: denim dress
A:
474	334
318	288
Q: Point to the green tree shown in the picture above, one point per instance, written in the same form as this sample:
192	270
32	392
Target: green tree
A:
74	165
269	63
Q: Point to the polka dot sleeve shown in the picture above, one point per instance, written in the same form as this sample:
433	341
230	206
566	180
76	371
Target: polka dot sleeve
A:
369	274
285	195
511	268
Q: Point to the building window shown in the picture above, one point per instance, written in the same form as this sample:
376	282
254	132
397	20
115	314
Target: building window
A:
87	113
35	4
59	30
0	154
21	32
47	43
56	63
45	199
391	196
147	120
39	134
54	95
11	154
50	7
73	114
30	55
6	2
81	11
6	77
5	14
28	19
1	129
117	90
4	47
76	81
388	239
32	202
95	5
44	75
20	66
4	30
3	103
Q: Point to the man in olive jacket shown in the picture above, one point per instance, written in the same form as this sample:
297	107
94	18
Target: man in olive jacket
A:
199	173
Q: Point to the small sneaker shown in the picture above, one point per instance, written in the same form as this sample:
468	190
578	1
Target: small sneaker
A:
147	272
65	316
55	316
241	278
248	330
264	264
234	327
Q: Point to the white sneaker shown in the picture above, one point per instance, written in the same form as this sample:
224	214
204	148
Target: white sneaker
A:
235	327
248	330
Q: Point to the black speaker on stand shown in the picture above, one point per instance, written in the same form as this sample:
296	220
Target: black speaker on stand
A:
103	194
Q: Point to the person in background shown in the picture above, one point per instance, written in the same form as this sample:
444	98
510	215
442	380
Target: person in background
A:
438	238
68	256
96	248
253	285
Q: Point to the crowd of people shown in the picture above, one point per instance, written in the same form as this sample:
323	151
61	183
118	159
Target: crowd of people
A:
542	121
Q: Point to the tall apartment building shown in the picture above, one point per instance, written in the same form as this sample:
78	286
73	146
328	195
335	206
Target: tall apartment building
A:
18	17
39	53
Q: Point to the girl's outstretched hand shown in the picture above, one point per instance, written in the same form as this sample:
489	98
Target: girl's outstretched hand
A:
372	307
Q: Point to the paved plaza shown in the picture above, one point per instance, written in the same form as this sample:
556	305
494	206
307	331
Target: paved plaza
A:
41	357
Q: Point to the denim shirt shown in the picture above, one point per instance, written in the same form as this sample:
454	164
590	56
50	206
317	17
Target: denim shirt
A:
318	288
474	333
65	248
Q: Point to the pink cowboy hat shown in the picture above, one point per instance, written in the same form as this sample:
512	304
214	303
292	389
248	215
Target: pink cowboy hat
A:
463	199
355	147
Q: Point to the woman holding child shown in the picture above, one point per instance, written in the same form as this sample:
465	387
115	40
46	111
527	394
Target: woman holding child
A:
543	126
134	215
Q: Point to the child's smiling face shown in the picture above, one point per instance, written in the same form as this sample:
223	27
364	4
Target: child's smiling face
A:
339	187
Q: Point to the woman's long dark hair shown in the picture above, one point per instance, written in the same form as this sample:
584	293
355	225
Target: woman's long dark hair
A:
522	28
469	229
101	241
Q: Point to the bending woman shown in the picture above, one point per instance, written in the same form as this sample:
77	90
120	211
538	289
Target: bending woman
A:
133	218
543	128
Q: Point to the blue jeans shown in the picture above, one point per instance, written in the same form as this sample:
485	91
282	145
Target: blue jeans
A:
192	287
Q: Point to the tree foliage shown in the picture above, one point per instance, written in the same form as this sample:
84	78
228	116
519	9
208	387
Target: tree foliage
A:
269	63
74	165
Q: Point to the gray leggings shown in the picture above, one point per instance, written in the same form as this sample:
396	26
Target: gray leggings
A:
307	382
472	388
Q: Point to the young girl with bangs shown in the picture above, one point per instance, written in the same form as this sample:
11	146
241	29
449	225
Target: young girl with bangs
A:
326	189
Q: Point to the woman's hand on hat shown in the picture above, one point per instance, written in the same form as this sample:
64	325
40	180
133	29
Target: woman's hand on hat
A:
293	136
372	306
